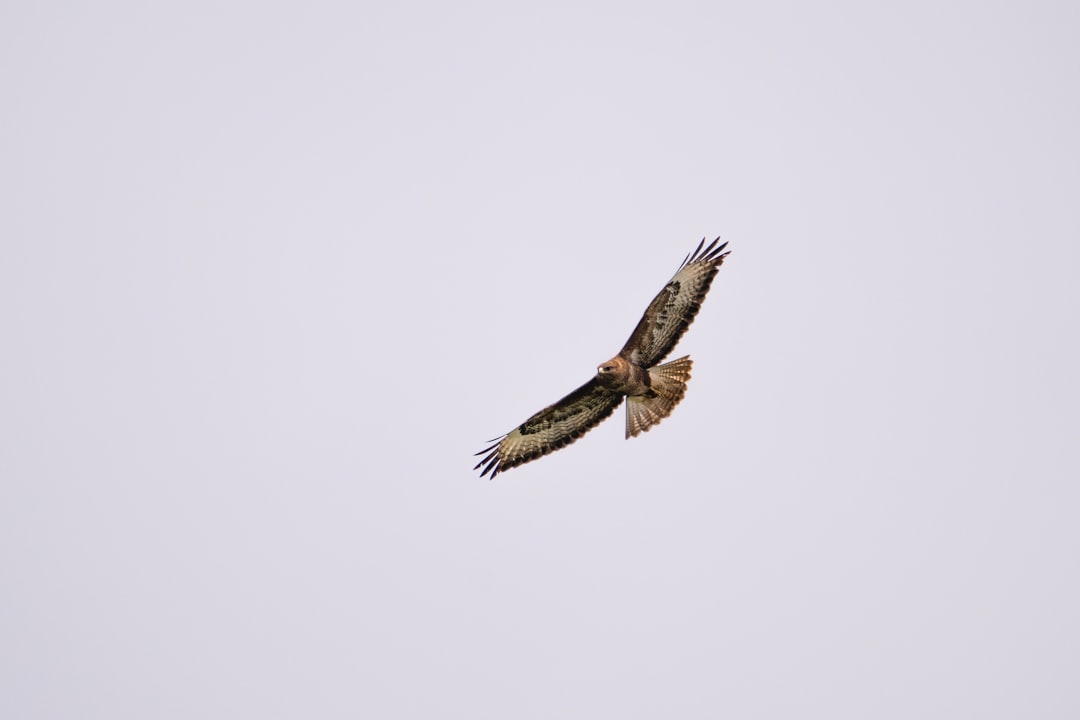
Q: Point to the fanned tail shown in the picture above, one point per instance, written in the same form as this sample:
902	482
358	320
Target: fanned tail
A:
668	388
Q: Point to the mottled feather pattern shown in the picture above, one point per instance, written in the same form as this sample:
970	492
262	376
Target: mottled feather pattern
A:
675	307
554	427
576	407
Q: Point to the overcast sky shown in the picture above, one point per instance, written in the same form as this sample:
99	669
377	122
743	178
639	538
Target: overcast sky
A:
271	273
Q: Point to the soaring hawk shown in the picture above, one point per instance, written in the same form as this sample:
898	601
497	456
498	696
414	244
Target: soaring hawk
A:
652	391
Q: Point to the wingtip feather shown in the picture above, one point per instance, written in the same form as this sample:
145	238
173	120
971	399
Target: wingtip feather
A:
692	256
492	467
712	254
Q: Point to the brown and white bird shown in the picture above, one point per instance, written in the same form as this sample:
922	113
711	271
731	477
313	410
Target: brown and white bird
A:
652	391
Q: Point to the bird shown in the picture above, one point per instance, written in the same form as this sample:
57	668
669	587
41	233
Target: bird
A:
651	390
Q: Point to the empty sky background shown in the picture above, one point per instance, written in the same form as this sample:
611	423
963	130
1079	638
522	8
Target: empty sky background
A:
271	273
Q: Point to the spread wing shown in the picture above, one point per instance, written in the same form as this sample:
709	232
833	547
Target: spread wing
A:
672	311
554	427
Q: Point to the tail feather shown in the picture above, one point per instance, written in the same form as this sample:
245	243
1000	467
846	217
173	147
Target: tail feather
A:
669	387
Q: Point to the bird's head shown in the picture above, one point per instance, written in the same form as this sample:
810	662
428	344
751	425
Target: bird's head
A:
612	372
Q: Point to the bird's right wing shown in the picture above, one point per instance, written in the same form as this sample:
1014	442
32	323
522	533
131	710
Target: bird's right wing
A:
554	427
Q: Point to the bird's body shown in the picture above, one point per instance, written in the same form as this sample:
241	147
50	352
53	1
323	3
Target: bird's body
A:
652	391
622	376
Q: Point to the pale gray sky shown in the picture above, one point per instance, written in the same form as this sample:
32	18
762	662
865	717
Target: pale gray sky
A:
271	274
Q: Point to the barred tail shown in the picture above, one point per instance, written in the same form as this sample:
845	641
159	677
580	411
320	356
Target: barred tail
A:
668	388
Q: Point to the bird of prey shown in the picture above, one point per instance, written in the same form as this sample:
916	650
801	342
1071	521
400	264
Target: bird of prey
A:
652	391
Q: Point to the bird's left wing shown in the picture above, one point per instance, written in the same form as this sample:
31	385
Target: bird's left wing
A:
674	308
554	427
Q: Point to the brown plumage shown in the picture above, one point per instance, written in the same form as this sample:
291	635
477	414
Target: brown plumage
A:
652	391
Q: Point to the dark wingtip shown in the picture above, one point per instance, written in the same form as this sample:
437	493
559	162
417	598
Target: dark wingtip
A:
714	253
490	461
492	466
692	256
